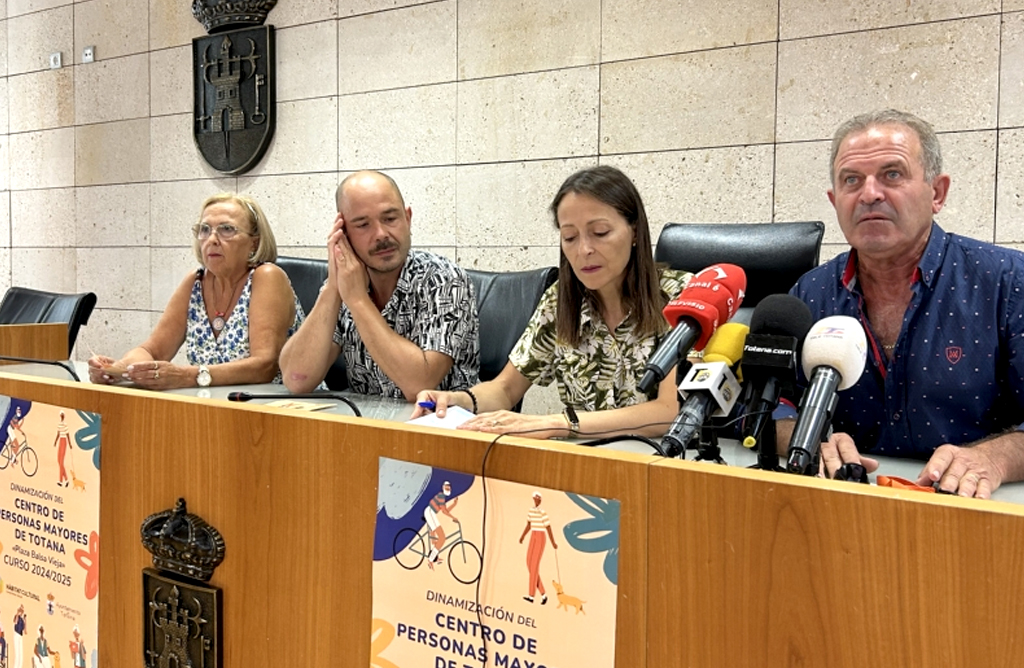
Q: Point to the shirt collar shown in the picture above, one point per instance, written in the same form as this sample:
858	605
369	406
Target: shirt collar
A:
404	285
590	315
927	268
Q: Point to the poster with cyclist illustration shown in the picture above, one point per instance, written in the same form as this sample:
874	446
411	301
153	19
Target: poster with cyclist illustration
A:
531	583
49	535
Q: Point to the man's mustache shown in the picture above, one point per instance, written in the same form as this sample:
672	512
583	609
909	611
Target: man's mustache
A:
383	246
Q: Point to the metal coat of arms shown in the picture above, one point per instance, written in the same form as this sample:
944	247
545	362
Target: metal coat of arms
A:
181	614
234	83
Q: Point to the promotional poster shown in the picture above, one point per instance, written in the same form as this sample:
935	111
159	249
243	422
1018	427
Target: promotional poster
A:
473	573
49	535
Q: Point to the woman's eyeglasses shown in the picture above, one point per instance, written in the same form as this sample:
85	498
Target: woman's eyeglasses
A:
224	231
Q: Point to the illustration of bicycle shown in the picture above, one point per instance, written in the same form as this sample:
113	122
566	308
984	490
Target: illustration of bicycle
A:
411	547
26	455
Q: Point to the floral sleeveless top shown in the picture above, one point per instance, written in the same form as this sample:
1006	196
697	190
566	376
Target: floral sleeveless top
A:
202	347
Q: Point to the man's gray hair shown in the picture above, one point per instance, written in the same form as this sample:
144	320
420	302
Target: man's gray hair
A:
931	153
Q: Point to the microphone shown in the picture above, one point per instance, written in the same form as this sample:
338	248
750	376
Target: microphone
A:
709	388
31	360
834	354
246	396
709	299
777	330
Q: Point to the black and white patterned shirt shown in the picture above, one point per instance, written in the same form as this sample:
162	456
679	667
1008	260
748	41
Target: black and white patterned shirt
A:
432	306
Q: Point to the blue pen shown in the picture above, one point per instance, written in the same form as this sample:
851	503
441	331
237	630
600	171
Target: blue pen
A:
429	405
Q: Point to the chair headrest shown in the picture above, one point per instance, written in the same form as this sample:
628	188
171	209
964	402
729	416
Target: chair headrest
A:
773	255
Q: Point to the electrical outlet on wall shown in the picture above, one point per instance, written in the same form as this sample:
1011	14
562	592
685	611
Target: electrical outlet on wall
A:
88	54
55	61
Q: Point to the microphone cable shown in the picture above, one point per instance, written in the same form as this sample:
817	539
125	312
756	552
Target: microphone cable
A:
247	396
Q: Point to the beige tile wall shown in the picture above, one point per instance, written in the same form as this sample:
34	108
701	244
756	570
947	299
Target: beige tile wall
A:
479	108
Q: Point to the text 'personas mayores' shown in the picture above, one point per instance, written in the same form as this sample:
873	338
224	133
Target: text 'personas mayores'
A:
466	649
39	525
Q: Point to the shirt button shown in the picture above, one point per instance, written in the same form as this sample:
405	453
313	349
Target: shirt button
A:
896	416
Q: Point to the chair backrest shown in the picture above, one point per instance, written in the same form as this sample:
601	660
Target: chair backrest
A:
22	306
773	255
307	275
505	301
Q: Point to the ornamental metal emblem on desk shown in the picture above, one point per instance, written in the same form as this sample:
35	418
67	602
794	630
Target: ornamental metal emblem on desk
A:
181	614
234	83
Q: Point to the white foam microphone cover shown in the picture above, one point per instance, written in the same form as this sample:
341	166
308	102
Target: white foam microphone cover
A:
839	342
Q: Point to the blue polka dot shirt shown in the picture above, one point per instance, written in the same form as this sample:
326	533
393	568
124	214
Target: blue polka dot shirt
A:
957	372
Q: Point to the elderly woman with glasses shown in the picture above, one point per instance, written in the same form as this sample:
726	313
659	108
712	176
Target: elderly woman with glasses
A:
233	314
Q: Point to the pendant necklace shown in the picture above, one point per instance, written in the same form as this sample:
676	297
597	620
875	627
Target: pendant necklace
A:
218	320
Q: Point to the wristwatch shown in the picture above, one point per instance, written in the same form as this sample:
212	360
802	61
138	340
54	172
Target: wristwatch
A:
203	379
573	421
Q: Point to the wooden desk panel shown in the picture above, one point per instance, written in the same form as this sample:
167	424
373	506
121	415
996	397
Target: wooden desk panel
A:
46	341
295	496
757	569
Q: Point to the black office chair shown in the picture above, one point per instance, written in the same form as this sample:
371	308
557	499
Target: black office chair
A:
773	255
22	306
307	275
505	302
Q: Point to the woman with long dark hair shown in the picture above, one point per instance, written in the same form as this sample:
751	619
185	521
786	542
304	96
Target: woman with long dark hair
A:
593	330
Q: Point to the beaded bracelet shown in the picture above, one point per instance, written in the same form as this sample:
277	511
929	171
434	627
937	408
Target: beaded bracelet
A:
473	397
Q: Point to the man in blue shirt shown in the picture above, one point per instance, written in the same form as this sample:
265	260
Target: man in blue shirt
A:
943	314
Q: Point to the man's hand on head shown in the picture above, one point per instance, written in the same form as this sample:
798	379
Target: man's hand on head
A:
349	272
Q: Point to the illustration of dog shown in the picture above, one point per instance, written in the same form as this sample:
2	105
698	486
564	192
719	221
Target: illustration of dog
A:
566	601
76	483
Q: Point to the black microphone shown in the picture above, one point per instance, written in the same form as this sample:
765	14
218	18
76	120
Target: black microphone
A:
709	299
709	388
834	354
777	330
29	360
246	396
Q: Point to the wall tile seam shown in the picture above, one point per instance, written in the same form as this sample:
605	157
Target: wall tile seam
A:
485	163
108	59
900	26
698	148
466	80
330	96
95	248
83	125
393	9
302	24
40	189
41	11
672	54
161	49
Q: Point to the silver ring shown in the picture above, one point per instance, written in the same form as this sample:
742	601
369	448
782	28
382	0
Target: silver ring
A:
156	375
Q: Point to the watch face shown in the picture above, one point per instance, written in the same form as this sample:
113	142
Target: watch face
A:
204	377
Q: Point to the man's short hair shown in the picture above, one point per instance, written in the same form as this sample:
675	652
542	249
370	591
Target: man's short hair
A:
931	153
341	186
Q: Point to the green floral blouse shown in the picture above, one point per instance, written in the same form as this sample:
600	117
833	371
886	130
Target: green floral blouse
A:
604	370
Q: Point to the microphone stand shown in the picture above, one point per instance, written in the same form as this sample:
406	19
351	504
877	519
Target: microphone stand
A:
246	396
707	445
683	367
767	449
